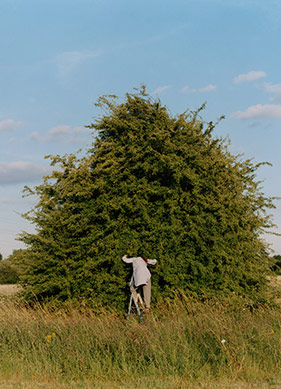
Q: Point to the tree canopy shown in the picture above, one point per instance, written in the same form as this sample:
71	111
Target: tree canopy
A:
152	184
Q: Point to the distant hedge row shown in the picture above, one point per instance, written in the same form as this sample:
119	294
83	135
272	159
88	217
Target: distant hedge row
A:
9	273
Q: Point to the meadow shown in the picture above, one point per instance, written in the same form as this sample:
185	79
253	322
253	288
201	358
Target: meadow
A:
182	343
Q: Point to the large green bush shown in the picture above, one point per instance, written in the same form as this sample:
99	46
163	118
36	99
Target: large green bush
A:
154	184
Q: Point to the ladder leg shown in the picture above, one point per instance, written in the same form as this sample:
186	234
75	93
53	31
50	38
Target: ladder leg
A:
137	307
139	299
135	299
130	304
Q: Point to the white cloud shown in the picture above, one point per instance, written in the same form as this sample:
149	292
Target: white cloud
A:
250	76
208	88
62	133
21	172
275	90
161	89
7	200
81	130
13	200
59	132
68	61
9	124
185	89
259	111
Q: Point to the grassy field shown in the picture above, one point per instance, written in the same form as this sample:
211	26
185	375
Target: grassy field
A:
181	344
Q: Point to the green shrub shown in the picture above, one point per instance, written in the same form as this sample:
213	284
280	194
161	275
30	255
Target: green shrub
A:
8	273
151	184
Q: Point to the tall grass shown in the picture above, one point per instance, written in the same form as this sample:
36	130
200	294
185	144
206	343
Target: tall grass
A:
181	344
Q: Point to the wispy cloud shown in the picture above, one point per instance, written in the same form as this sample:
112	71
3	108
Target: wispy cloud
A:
21	172
259	111
9	124
185	89
63	133
275	90
161	89
253	75
208	88
8	200
205	89
68	61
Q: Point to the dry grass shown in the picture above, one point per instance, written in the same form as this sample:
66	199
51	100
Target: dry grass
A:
142	384
183	344
275	283
9	290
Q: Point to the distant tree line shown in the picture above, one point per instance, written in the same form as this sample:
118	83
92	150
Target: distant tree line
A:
9	268
276	264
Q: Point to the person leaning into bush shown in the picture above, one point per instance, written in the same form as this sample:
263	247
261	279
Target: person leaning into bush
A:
141	277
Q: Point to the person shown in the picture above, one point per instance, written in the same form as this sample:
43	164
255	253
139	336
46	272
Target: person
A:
141	277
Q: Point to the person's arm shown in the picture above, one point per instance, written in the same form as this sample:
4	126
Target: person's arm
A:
152	261
126	259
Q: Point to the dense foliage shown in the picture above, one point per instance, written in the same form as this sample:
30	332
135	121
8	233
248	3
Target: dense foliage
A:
151	184
9	268
275	264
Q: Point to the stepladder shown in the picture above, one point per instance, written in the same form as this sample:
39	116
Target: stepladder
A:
136	303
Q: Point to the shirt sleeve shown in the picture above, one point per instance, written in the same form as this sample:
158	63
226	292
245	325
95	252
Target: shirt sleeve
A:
152	261
127	260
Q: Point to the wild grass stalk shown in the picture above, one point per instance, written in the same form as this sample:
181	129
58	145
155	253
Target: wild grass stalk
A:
182	342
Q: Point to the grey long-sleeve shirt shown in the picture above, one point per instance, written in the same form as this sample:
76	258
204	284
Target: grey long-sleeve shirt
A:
141	273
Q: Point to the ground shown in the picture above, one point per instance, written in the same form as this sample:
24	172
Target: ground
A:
8	290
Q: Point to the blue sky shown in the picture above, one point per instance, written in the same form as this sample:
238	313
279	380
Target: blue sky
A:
58	57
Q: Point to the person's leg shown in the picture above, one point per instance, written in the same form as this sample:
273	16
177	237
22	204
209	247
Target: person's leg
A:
147	293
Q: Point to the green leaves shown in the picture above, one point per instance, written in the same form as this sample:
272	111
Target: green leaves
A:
151	184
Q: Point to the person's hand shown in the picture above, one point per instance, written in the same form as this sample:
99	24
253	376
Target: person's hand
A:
125	255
